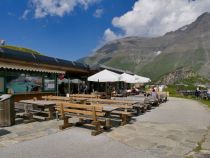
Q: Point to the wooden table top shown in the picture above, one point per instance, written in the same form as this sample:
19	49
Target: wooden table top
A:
79	99
108	108
38	102
128	102
114	106
84	96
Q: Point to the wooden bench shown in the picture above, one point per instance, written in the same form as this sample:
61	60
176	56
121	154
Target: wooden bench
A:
150	101
163	96
94	114
125	116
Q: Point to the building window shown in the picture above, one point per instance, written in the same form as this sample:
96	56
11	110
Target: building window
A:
22	83
49	84
1	84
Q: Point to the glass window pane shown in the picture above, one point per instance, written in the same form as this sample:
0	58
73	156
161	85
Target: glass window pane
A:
49	84
1	84
22	83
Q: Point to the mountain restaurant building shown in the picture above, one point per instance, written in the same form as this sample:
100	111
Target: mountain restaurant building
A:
28	75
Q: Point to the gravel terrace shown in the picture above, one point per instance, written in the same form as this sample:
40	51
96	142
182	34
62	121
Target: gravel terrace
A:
178	128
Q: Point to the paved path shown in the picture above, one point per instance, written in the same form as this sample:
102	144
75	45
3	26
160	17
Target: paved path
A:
172	130
175	129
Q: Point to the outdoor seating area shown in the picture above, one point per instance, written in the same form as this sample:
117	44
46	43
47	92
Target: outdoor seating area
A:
105	79
63	90
90	111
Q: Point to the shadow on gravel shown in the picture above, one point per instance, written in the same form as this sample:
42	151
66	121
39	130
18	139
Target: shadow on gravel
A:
4	132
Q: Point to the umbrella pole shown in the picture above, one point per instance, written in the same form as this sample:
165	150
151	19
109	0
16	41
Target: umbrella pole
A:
78	87
69	86
98	85
57	86
106	89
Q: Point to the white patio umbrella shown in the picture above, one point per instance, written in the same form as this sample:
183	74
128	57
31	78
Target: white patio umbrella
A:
141	79
127	78
104	76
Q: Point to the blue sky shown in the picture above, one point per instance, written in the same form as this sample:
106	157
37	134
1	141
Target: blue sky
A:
71	29
70	36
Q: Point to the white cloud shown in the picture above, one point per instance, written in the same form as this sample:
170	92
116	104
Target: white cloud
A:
25	14
98	13
150	18
109	35
44	8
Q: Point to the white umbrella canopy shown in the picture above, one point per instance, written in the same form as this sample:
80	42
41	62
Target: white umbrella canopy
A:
127	78
104	76
141	79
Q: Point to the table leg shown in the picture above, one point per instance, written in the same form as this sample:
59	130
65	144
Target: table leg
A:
108	123
50	113
138	111
25	108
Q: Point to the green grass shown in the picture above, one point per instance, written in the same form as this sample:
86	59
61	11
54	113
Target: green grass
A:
172	89
198	147
206	102
195	79
25	50
121	62
188	84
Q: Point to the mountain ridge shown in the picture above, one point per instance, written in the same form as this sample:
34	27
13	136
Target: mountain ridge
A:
187	47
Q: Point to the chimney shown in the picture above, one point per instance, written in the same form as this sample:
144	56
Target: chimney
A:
2	42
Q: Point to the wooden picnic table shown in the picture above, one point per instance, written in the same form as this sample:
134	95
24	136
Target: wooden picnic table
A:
113	101
66	99
108	109
115	109
43	104
124	104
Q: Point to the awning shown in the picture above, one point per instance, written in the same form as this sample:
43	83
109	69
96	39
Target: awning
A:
29	68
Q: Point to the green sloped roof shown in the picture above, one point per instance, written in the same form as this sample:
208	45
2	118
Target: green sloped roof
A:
25	50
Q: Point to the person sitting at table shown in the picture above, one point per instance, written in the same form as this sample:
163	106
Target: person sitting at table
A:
154	94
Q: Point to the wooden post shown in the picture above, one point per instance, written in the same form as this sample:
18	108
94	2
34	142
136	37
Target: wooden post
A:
62	111
50	113
96	123
94	113
124	119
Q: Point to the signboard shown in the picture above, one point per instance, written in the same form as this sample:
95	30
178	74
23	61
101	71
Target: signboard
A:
49	84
